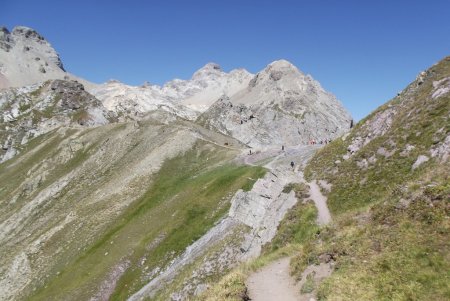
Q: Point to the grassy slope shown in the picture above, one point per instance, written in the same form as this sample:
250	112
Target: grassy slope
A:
185	200
417	123
392	232
177	205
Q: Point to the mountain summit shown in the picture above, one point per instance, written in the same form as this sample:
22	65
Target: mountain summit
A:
27	58
280	105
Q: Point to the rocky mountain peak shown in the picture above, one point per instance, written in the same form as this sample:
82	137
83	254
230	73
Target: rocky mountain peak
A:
27	33
277	71
27	58
281	65
210	70
281	68
4	32
212	66
5	39
280	105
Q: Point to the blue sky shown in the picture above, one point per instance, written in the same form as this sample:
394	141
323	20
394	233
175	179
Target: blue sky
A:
362	51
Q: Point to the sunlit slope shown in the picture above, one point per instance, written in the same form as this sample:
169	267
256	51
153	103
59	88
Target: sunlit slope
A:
94	212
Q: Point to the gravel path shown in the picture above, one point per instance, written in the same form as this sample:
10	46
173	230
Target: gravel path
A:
324	216
273	282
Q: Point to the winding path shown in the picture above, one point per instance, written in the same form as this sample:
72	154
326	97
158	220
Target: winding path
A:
323	216
273	282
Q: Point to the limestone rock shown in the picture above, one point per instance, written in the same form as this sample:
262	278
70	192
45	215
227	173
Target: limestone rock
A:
27	58
280	106
420	160
37	109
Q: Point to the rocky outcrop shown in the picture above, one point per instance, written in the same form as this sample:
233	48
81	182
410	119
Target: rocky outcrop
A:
185	98
279	106
435	86
27	58
259	211
132	102
31	111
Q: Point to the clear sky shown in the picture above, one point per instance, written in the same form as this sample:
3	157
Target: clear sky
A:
362	51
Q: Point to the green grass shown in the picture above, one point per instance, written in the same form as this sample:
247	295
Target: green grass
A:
391	230
230	288
423	129
400	254
189	194
300	190
298	226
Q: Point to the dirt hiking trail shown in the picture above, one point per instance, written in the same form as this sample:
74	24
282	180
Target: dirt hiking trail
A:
273	283
323	216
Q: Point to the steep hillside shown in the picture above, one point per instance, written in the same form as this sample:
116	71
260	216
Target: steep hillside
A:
280	106
27	58
388	188
95	213
390	195
396	143
30	111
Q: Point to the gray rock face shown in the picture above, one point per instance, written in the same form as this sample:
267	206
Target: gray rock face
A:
31	111
280	106
27	58
186	98
28	34
6	42
261	209
420	160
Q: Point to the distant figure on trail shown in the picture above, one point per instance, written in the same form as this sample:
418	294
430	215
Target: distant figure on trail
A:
250	152
282	147
292	164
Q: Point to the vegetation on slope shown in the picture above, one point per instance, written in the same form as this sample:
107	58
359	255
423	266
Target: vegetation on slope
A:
390	240
185	200
398	249
99	211
418	123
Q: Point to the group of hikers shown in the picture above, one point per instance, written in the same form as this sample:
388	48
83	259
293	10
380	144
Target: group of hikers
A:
311	142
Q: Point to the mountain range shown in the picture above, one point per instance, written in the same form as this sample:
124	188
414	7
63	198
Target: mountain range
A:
182	191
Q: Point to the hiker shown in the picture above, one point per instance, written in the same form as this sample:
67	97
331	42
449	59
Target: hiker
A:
292	164
282	147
